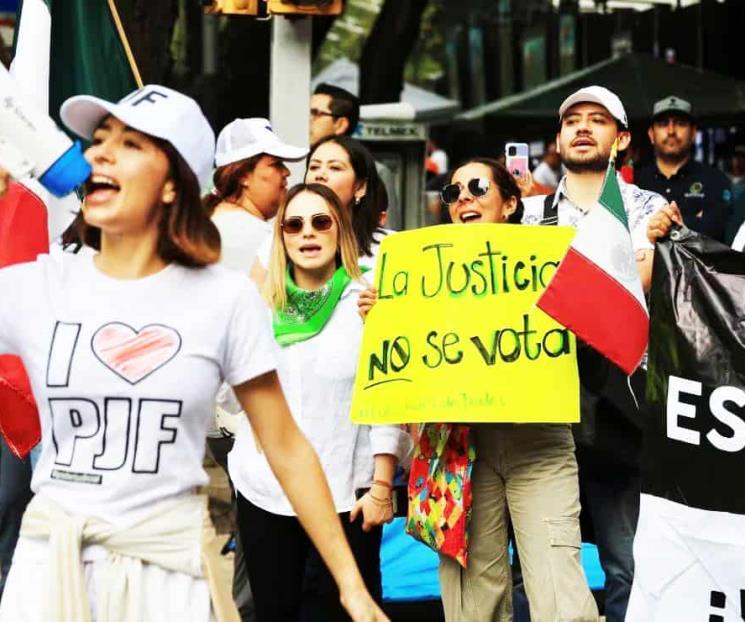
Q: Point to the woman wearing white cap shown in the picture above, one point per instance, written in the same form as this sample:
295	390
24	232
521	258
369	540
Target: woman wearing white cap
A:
250	182
125	350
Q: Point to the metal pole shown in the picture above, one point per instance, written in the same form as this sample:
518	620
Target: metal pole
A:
289	95
210	28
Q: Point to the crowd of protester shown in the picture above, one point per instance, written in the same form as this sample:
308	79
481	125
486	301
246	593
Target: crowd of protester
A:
238	316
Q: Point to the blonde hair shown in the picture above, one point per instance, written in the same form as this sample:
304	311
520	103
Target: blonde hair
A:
274	289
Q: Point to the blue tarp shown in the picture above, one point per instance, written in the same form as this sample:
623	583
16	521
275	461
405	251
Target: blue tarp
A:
410	569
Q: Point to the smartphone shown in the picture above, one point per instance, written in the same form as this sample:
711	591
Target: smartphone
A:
516	158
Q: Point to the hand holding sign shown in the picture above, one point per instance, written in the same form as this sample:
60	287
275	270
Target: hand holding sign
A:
455	334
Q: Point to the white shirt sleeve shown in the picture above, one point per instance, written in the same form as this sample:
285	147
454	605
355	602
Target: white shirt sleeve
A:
640	205
251	349
390	439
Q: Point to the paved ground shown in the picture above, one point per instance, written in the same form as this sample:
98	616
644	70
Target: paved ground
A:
221	511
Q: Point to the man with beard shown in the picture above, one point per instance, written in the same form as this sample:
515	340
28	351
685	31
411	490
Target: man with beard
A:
608	438
703	193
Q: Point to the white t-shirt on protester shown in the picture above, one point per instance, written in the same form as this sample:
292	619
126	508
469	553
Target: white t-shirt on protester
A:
317	377
125	374
241	234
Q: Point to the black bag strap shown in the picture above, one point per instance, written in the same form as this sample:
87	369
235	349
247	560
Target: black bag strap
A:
550	211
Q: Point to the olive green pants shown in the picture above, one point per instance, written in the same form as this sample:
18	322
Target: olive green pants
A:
528	474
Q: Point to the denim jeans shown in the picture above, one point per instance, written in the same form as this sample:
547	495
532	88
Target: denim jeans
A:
15	493
614	510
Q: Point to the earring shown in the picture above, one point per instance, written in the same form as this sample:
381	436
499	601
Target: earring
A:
356	200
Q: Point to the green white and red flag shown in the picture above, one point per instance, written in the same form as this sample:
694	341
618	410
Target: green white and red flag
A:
596	291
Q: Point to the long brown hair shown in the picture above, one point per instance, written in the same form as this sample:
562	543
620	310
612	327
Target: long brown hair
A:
186	235
227	180
347	254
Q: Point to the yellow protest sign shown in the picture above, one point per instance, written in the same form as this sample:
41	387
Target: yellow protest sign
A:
455	334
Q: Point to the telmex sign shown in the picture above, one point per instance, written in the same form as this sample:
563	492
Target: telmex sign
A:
386	130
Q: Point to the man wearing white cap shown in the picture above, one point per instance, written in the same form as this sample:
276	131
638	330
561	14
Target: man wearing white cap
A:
608	439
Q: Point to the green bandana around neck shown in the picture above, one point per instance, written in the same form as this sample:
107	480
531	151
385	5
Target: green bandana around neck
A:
307	312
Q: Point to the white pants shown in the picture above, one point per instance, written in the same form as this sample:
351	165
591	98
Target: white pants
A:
166	595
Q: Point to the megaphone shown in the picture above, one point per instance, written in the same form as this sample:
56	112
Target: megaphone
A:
31	143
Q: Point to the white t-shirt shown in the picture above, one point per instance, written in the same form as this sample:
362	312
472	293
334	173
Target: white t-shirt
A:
317	377
241	234
125	374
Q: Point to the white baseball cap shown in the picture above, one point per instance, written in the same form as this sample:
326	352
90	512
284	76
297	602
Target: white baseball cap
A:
596	95
154	110
245	138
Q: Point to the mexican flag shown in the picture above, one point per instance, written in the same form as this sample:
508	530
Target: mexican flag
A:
72	47
62	48
596	291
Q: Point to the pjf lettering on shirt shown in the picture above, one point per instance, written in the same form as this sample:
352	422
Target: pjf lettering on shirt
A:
718	414
95	436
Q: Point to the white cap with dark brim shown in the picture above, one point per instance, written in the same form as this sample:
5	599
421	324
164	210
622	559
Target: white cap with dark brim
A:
156	111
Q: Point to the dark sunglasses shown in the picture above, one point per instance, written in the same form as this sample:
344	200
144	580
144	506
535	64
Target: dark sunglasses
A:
294	224
478	187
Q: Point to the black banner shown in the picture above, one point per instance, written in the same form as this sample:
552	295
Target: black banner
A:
694	445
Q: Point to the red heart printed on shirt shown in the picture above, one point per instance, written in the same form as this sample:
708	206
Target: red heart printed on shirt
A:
132	354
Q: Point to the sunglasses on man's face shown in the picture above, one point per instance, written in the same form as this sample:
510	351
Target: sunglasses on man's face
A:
478	187
294	224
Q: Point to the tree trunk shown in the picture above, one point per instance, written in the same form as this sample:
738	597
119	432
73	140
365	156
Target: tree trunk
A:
384	56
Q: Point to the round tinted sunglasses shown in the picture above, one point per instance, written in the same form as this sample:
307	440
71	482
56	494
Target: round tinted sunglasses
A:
478	187
294	224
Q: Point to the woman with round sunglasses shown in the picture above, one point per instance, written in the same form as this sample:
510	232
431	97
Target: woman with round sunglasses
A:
125	349
525	474
347	167
312	288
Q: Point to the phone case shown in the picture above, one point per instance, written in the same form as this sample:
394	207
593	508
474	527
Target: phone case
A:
517	164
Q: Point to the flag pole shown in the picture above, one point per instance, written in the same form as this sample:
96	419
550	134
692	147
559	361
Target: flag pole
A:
125	43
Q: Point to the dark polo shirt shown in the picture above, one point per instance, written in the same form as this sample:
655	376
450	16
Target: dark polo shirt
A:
703	194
